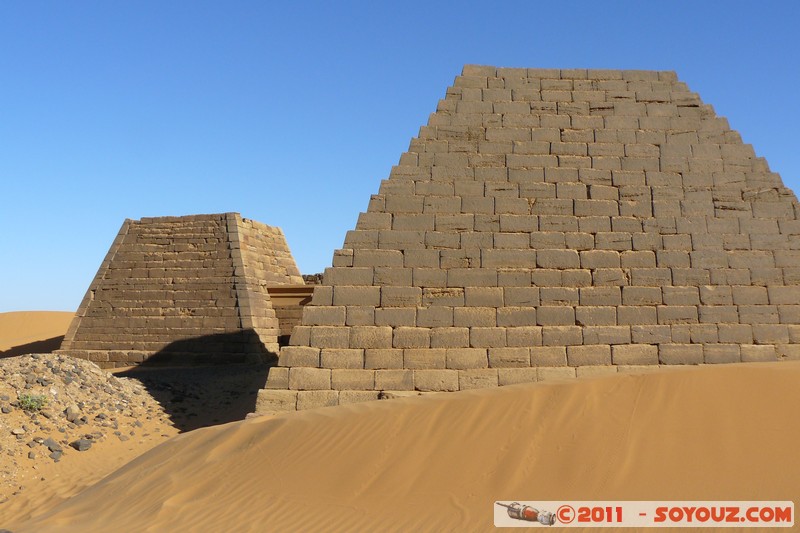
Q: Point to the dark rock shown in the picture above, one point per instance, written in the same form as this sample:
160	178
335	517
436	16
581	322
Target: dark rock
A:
81	444
52	445
6	409
55	456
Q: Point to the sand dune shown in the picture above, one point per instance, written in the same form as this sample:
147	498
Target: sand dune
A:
42	330
438	463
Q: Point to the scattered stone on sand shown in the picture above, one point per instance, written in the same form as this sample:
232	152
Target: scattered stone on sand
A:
53	405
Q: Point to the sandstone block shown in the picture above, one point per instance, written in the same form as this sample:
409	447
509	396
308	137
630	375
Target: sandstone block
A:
316	399
424	358
349	276
451	297
359	315
517	316
450	337
401	380
477	379
722	353
755	353
750	295
559	295
524	336
342	358
475	316
641	296
636	314
292	356
487	337
680	354
302	378
383	358
600	259
371	337
324	315
401	296
677	314
436	380
600	296
347	396
651	334
735	333
718	314
465	358
555	316
606	335
514	376
634	354
434	317
561	335
790	352
558	259
329	337
270	401
596	315
681	296
498	258
352	379
784	295
322	296
509	357
278	378
395	316
770	333
521	296
598	354
716	295
548	355
758	314
411	337
483	296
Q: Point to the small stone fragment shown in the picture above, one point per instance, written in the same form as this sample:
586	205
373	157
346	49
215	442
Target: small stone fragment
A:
81	444
52	445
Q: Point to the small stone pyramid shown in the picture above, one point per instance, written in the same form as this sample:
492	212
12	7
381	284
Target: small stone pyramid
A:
184	290
548	224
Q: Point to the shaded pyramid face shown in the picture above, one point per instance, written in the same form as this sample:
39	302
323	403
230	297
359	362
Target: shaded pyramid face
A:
184	290
553	223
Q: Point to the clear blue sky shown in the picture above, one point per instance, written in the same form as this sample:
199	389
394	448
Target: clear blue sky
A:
291	113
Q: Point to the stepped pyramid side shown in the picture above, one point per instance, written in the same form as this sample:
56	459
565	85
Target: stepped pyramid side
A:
185	289
551	224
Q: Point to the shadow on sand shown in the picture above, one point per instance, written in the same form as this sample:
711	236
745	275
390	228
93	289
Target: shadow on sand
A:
43	346
208	380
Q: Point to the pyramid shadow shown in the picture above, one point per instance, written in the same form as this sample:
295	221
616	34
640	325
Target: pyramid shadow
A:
43	346
204	381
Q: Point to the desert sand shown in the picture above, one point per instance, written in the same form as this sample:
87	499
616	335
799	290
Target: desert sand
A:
438	462
32	331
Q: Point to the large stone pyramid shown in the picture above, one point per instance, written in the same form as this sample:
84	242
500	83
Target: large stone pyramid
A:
184	290
548	224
